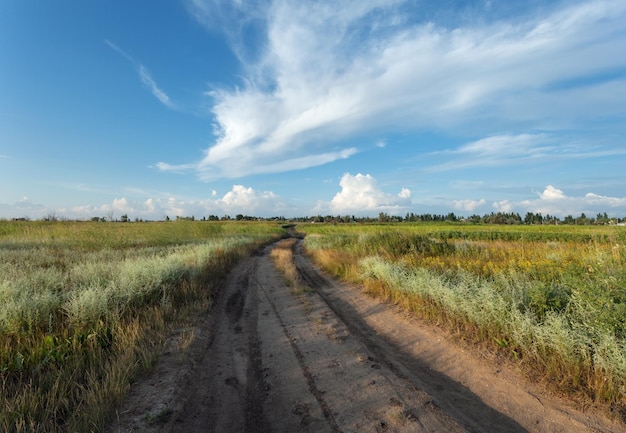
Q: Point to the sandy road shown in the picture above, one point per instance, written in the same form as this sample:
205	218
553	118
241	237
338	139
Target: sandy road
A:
331	360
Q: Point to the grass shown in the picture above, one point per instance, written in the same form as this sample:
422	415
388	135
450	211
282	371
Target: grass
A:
553	298
283	258
86	307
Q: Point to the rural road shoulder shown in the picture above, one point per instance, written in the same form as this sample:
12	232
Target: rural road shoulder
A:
330	359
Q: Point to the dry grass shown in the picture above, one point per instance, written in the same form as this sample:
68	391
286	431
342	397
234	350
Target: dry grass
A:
87	307
283	258
556	305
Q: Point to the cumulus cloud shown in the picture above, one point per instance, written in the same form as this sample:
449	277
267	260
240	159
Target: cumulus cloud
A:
248	201
504	206
552	193
554	201
361	194
469	205
239	200
324	72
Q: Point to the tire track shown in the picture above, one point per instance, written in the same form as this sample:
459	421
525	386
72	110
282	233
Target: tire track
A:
332	360
319	396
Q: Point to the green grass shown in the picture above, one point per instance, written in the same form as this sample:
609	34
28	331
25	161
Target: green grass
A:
553	298
85	307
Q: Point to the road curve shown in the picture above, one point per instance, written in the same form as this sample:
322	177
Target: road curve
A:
331	359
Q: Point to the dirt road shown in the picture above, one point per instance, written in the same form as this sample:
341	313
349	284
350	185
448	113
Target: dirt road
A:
331	360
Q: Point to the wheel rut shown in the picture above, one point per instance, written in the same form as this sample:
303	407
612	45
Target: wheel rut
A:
319	395
329	359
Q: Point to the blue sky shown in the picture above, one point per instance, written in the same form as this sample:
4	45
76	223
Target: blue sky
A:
199	107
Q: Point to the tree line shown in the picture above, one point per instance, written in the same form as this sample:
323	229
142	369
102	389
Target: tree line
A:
383	217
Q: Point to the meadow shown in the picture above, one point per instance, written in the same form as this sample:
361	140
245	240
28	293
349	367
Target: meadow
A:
86	307
550	298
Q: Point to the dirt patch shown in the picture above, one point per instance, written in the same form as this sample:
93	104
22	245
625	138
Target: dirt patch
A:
331	360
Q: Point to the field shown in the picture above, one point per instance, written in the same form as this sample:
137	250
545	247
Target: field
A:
86	306
551	298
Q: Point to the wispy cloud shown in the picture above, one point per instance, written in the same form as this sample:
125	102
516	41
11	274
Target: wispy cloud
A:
174	168
323	73
496	151
500	150
144	76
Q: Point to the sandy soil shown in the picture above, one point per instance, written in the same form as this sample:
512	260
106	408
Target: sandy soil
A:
331	360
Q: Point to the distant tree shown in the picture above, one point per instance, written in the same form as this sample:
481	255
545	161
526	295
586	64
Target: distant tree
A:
52	216
451	217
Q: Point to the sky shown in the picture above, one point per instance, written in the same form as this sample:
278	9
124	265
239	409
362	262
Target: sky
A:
155	108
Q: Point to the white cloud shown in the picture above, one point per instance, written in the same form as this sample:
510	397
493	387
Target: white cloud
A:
122	205
507	145
361	194
147	79
554	201
504	206
248	201
175	168
144	76
240	199
469	205
603	201
552	193
326	72
498	150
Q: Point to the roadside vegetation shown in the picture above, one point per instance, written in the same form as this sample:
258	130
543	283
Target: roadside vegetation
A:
552	298
85	307
283	258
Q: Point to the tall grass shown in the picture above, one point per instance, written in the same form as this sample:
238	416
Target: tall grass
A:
283	258
85	307
553	299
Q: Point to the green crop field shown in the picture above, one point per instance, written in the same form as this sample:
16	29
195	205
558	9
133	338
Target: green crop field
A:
85	306
552	298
